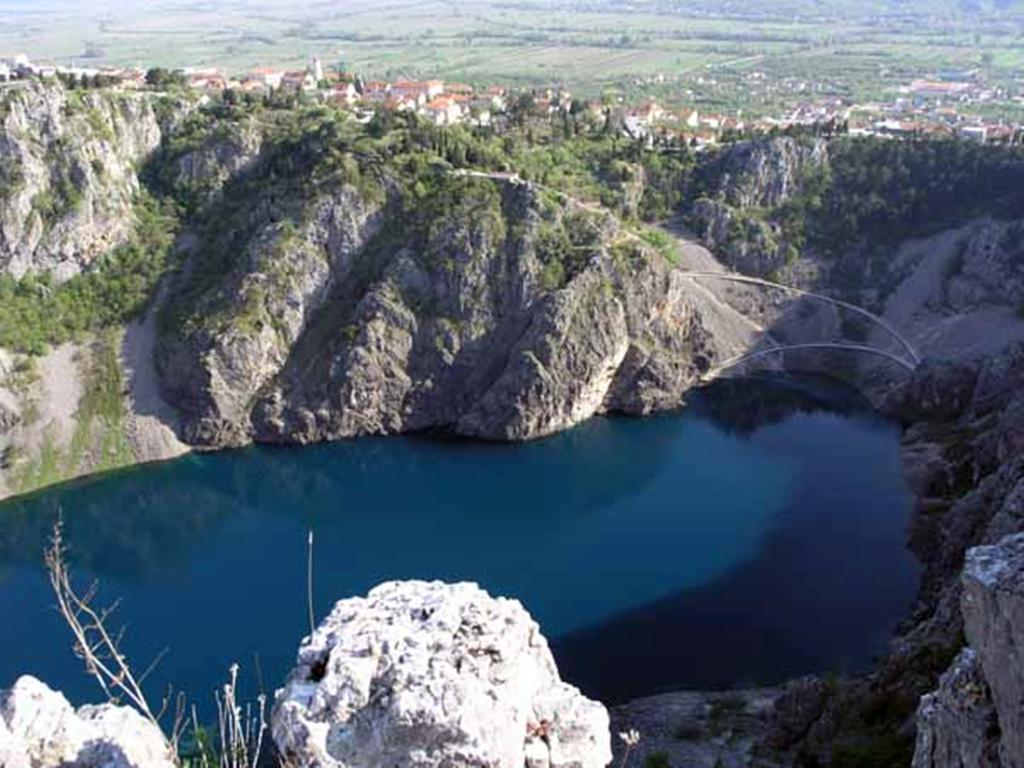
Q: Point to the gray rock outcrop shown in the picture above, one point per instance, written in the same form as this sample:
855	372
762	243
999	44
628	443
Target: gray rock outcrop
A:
203	171
748	178
976	717
993	609
40	729
69	174
764	173
956	723
430	674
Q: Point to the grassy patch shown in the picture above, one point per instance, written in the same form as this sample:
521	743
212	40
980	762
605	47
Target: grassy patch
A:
662	242
98	125
98	442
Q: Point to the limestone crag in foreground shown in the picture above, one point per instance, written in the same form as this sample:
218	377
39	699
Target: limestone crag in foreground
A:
430	674
40	729
414	675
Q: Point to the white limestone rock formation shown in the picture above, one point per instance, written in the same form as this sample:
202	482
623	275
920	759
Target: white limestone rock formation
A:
40	729
418	674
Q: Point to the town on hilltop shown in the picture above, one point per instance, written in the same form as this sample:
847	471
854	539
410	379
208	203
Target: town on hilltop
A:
932	107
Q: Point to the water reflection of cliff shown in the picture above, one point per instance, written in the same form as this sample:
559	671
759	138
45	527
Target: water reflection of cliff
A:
140	523
143	522
129	525
743	405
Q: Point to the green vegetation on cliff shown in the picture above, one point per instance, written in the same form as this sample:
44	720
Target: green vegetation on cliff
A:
37	312
879	192
886	191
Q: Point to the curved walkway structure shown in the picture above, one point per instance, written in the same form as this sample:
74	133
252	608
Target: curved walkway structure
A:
913	358
725	364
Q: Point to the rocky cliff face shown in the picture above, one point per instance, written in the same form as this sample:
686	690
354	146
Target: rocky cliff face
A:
963	459
357	323
214	370
975	716
957	724
993	610
69	161
741	185
201	170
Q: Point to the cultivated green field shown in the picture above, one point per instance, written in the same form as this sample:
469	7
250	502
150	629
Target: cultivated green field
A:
711	48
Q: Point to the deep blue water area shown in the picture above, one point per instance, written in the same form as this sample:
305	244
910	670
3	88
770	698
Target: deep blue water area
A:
755	535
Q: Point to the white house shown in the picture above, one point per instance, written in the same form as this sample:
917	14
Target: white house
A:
267	77
978	133
443	110
299	80
345	93
690	118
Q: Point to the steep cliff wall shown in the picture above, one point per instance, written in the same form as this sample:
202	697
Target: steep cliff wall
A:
739	193
69	162
488	311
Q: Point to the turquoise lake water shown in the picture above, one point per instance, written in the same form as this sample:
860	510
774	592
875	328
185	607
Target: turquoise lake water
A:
758	534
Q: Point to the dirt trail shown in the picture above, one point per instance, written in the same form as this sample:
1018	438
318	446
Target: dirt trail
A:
152	424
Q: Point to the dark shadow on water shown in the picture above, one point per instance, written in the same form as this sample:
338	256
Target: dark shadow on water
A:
822	594
744	405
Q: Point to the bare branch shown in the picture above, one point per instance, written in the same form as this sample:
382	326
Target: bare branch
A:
93	643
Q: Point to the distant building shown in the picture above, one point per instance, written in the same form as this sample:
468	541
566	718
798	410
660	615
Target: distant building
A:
18	65
420	90
711	122
400	104
897	128
443	110
78	72
978	133
206	79
938	88
1001	134
299	80
42	69
376	91
646	114
128	77
345	93
268	77
316	69
689	118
